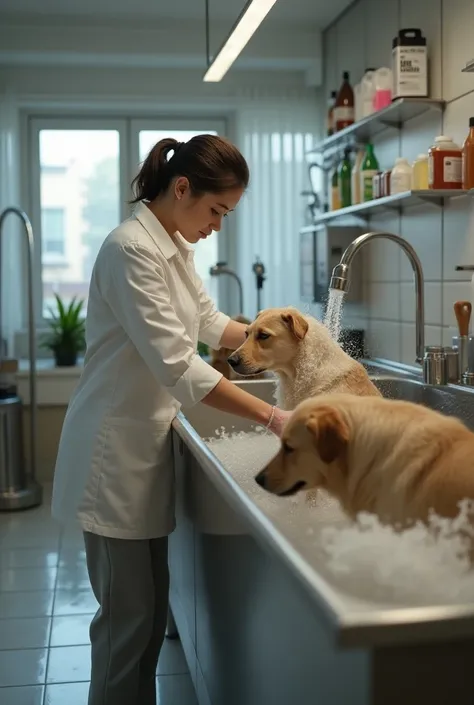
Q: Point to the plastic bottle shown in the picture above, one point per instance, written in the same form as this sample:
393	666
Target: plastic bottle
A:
420	173
358	107
367	93
335	200
468	158
344	107
400	180
355	177
345	180
383	83
410	64
330	114
444	164
369	168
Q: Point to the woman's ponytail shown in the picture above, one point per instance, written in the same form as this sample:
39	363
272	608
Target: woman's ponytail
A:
155	175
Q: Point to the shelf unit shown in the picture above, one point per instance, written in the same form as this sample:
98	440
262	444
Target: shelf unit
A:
395	115
469	67
397	202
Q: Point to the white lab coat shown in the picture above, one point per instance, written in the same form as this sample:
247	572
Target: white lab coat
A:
147	310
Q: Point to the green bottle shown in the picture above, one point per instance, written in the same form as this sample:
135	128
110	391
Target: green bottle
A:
345	180
369	168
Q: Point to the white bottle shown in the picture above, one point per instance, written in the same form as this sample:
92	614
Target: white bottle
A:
401	177
410	64
367	89
383	85
358	107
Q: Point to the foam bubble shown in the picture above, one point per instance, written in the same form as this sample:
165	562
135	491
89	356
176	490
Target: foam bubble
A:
423	565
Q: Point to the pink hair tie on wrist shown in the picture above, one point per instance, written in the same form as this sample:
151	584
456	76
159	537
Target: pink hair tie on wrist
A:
272	416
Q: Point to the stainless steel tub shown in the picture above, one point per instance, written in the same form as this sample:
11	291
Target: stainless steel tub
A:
259	621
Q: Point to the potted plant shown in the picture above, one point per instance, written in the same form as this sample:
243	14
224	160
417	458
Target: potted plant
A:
66	338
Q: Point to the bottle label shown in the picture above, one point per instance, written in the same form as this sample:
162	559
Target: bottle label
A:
410	68
367	190
343	114
452	170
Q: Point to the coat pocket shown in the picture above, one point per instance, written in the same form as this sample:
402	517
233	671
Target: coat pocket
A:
136	480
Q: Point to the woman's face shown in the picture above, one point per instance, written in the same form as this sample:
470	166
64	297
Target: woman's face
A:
197	216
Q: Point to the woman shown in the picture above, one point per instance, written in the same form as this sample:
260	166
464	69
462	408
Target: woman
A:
147	310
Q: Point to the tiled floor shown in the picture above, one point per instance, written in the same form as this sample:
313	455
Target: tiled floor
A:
46	605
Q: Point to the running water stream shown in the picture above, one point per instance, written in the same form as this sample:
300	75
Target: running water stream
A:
333	314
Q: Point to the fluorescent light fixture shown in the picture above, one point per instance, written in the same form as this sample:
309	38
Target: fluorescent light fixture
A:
249	21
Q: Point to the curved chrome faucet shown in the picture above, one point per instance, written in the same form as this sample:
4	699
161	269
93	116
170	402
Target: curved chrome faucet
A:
222	268
340	279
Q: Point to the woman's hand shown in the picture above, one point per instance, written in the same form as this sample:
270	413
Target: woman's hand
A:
279	420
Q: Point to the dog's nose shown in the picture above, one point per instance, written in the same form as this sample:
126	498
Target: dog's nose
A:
234	360
260	479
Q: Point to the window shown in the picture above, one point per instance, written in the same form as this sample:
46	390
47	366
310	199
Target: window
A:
52	231
81	191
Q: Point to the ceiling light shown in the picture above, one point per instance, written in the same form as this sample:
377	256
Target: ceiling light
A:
249	21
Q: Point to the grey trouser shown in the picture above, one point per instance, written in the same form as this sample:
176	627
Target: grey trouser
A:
130	580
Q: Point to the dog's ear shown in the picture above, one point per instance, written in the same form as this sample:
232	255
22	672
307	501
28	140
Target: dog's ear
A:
297	324
330	433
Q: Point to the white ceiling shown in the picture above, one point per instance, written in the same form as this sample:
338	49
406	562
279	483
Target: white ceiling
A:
318	13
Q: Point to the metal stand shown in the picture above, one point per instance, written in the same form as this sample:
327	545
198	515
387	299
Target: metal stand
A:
259	270
31	494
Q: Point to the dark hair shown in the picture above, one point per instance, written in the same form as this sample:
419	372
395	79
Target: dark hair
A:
211	164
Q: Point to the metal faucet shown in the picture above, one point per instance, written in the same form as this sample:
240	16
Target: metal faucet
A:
222	268
340	279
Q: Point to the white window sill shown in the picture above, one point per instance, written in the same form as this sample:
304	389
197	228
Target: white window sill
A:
54	385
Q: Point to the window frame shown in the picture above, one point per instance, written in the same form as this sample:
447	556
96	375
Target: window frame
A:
129	128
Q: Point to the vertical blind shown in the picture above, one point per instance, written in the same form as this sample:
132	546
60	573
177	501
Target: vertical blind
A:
274	140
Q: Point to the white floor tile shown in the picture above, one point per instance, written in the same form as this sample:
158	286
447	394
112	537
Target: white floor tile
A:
74	602
72	556
66	694
68	664
22	667
22	579
26	633
71	631
73	577
28	558
29	695
26	604
172	660
175	690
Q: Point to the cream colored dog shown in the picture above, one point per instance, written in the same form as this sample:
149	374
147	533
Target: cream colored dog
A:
394	459
301	351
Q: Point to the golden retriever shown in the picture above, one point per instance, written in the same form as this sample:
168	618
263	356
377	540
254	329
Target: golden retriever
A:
219	358
300	350
395	459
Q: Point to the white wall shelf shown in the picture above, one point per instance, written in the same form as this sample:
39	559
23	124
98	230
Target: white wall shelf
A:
395	115
398	202
469	67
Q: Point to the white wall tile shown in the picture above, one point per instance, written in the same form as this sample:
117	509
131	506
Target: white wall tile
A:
452	292
458	238
382	27
447	335
384	339
457	113
458	31
332	79
426	15
351	51
385	300
433	303
422	228
433	336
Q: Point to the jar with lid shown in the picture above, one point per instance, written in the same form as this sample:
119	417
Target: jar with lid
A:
444	164
420	173
400	180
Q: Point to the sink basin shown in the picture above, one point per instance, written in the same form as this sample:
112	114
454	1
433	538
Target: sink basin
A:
448	400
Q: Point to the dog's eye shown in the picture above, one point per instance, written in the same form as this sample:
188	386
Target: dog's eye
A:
287	448
263	336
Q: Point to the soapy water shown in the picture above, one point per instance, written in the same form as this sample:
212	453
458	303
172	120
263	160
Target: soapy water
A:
365	560
333	314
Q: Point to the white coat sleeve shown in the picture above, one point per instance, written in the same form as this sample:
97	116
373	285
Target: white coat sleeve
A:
212	322
139	298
